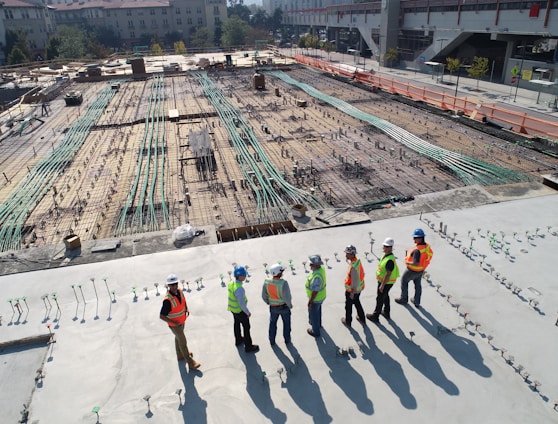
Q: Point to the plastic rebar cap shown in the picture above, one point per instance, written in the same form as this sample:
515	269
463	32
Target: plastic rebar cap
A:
276	269
388	242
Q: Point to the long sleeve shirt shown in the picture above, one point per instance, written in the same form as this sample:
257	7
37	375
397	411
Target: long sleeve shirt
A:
239	294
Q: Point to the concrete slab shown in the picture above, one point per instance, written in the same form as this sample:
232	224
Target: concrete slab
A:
477	350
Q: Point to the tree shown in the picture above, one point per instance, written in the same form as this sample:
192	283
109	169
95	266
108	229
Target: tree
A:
17	39
259	19
179	47
276	19
452	64
16	56
328	48
52	50
241	11
156	49
478	69
234	32
200	38
72	45
391	56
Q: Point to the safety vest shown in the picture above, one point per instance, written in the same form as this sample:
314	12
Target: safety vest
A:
320	272
233	301
349	283
382	271
275	292
178	310
426	254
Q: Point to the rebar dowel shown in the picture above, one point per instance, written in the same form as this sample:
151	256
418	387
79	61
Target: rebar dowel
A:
25	301
94	288
106	285
75	293
11	304
82	295
55	298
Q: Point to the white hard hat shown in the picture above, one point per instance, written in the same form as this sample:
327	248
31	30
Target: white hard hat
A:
388	242
276	269
172	279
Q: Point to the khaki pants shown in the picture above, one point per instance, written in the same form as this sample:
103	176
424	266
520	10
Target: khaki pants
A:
180	343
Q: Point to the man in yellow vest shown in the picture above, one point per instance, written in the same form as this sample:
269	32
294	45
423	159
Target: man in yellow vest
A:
386	274
354	284
417	260
174	312
316	292
277	294
238	305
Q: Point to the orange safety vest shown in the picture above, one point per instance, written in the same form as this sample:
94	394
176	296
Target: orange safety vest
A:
349	283
178	310
275	292
426	254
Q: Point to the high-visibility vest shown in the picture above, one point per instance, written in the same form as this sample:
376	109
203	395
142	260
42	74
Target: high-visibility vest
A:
320	272
275	292
178	310
233	301
382	271
349	283
426	254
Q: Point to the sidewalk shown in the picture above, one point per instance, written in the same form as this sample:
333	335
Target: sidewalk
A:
485	91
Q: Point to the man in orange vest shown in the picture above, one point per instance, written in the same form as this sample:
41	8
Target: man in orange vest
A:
354	284
417	260
174	312
277	294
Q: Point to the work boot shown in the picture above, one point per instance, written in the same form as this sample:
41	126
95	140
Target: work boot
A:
373	317
193	364
361	320
180	357
386	315
401	301
253	348
344	321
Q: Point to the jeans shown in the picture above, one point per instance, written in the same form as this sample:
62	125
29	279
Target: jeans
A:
285	313
180	343
315	317
416	278
241	319
349	307
382	299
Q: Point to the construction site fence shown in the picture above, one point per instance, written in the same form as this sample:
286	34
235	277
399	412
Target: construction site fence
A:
520	122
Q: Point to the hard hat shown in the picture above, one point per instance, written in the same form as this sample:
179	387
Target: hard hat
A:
276	269
418	233
388	242
172	279
239	271
315	260
350	249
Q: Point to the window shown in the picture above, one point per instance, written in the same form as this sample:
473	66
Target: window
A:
130	24
152	11
164	12
188	11
178	21
217	20
199	11
177	11
108	13
200	21
165	22
128	13
216	10
132	34
142	23
189	21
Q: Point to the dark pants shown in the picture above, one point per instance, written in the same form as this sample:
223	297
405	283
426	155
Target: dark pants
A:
382	299
274	313
241	319
349	307
416	278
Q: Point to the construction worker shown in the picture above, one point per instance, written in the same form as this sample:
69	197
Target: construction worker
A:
316	292
174	312
386	274
354	284
417	260
238	305
277	294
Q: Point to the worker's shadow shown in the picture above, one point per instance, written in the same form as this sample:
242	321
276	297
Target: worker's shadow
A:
424	363
304	391
194	408
387	368
461	349
344	375
257	386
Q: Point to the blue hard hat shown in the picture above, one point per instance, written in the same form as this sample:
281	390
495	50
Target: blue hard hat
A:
239	271
418	233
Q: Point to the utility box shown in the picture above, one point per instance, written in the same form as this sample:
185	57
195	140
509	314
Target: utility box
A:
298	211
259	81
72	242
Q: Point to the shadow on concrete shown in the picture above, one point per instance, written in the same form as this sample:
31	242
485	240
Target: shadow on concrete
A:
461	349
194	408
344	375
257	386
424	363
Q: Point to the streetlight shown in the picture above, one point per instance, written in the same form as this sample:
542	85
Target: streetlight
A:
518	77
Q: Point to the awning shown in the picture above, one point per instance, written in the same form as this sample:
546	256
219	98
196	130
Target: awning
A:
543	82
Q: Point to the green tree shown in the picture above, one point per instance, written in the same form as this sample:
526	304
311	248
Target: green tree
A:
234	32
328	48
17	39
52	50
72	45
478	69
259	19
179	47
391	56
276	20
239	10
16	56
452	64
156	49
200	38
